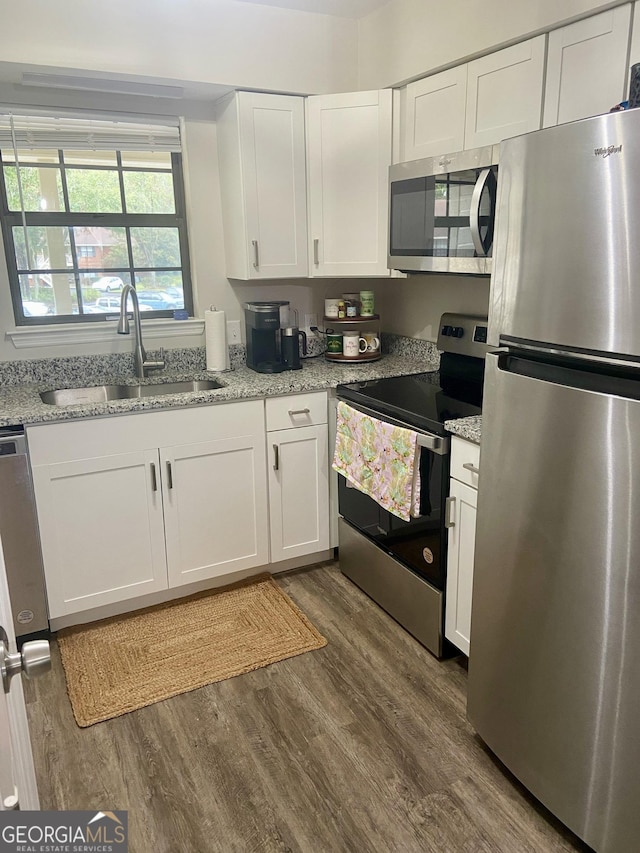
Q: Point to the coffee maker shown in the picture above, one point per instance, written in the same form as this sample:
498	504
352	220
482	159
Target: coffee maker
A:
273	345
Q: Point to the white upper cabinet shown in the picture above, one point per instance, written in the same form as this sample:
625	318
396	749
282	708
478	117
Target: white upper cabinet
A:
587	67
261	153
504	93
476	104
348	154
434	118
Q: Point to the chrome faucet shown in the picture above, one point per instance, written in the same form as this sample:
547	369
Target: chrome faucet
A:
139	355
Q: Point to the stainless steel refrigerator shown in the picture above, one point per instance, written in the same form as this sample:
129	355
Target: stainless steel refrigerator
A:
554	668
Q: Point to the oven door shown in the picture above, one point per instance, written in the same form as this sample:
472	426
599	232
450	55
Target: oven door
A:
442	213
419	544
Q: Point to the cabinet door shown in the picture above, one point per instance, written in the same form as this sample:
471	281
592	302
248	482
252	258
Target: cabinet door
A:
434	115
101	529
215	506
462	535
298	491
273	159
587	67
349	154
504	93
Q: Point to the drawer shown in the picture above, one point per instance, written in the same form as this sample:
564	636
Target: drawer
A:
296	411
465	453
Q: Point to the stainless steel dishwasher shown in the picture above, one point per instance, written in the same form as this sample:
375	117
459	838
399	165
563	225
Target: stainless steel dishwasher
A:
20	536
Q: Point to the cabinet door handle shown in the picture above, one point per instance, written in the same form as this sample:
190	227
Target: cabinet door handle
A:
169	476
293	412
276	457
469	466
154	478
316	251
448	512
256	256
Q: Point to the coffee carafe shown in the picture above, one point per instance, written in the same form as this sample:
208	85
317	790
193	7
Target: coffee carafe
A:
263	323
291	337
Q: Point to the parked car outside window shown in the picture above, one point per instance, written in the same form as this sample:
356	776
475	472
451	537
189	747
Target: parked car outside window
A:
110	304
108	283
156	301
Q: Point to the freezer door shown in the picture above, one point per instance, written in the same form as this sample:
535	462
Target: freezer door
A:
554	682
567	247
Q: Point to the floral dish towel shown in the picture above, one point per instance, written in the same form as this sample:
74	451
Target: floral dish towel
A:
379	459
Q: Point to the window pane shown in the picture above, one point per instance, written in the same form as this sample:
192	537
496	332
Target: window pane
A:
47	295
27	156
146	159
94	191
90	158
155	247
149	192
94	284
100	248
41	188
162	291
48	247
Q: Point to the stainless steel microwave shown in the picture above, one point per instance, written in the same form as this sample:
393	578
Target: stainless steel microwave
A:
442	212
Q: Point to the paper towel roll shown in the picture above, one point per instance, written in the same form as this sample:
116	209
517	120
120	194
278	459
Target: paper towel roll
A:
215	340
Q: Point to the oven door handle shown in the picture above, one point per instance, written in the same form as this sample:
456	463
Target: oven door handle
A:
436	443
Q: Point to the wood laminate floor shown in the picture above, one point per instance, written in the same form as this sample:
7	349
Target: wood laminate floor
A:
361	746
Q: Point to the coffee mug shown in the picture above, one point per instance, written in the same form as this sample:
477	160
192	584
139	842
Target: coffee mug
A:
353	344
334	342
373	341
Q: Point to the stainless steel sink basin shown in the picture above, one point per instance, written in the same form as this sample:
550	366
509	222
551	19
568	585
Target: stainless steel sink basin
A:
103	393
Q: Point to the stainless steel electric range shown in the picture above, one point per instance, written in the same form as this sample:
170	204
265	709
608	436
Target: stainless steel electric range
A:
402	564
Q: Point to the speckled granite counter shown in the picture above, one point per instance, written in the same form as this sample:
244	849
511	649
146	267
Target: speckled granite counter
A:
20	403
469	428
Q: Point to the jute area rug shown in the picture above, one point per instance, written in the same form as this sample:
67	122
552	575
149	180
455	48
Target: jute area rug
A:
127	662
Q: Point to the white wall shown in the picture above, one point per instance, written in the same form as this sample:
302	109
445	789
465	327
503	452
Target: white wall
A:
405	39
413	306
212	41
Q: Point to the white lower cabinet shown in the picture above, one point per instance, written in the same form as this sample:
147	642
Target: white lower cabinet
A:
298	475
124	510
461	521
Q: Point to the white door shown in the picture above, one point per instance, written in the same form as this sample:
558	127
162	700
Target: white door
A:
349	154
17	774
434	117
215	504
504	93
587	67
272	141
462	536
298	491
102	530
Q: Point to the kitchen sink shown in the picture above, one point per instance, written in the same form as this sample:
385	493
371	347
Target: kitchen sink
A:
103	393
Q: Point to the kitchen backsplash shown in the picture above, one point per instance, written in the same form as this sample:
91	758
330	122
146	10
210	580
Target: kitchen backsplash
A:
93	369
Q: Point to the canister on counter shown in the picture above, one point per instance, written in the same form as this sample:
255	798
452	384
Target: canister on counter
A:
331	308
367	303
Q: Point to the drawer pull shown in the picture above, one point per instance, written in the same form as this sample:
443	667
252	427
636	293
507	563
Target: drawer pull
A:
154	479
469	466
449	508
293	412
276	457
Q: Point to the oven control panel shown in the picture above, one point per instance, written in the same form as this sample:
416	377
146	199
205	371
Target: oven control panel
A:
463	333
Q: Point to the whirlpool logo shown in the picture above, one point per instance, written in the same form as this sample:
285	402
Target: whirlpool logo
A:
608	151
63	832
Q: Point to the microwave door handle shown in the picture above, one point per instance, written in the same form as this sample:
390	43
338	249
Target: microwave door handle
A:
474	218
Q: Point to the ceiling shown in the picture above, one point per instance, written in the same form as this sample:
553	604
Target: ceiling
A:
341	8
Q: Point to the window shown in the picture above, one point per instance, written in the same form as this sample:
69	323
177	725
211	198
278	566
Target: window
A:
87	207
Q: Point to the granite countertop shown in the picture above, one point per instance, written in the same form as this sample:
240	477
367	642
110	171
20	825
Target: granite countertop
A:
20	403
469	428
